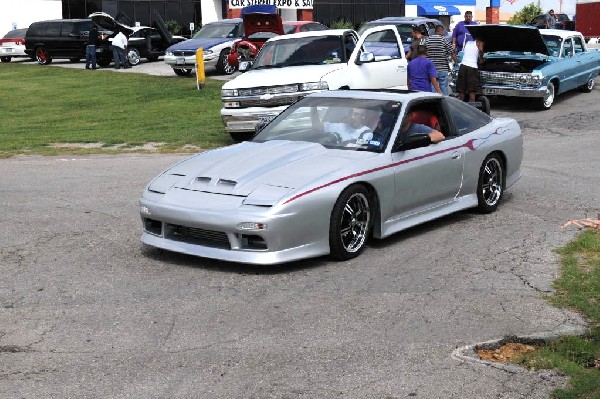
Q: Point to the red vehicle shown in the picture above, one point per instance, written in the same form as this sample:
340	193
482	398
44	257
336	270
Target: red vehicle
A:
302	26
261	22
588	15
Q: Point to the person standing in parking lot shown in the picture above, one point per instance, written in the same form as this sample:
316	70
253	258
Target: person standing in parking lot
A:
439	51
90	49
460	34
418	40
119	43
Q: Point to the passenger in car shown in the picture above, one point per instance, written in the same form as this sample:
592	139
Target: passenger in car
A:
409	128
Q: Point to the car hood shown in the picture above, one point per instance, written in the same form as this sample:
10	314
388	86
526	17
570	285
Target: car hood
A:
194	44
105	21
282	76
509	38
261	18
264	171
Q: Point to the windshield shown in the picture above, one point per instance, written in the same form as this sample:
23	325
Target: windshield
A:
217	31
301	51
338	123
553	44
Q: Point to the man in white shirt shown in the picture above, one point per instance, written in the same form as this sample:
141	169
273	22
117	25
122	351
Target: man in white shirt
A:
468	73
119	43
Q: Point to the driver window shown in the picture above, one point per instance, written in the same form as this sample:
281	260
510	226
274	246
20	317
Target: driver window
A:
567	48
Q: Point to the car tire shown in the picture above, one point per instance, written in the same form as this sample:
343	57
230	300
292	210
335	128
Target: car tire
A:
42	56
5	59
485	104
241	136
133	56
350	223
588	87
490	185
182	72
546	102
223	66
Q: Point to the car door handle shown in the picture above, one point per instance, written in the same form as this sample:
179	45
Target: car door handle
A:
456	155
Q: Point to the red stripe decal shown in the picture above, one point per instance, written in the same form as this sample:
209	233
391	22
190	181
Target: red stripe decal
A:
468	144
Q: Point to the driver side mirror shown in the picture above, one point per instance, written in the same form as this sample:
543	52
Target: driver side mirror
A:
365	57
413	141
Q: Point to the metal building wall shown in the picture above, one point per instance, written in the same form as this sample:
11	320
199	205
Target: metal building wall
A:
356	11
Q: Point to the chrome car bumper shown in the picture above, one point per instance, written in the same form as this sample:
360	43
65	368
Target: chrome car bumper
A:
245	119
509	92
187	62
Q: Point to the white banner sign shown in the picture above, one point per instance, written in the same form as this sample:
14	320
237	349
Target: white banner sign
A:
294	4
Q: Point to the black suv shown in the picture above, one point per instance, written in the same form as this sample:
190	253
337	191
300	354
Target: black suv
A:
64	38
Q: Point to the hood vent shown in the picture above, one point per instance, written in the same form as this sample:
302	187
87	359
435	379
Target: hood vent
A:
224	182
203	179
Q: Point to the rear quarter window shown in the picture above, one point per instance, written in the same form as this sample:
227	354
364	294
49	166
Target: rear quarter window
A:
466	118
36	29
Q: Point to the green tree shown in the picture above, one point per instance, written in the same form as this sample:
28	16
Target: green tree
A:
173	27
526	14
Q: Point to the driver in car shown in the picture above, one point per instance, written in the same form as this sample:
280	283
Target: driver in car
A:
352	129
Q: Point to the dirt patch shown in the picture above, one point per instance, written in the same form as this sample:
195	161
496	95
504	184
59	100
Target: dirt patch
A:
505	353
151	146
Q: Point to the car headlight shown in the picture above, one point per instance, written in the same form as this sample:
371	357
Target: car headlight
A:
314	86
229	93
207	51
168	52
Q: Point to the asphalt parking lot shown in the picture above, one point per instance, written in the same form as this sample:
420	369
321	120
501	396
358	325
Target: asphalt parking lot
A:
87	312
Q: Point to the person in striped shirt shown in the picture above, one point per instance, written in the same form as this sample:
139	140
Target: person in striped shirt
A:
439	50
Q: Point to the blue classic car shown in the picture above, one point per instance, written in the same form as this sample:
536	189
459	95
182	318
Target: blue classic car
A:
523	61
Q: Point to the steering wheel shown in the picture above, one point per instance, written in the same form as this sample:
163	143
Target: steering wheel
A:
331	139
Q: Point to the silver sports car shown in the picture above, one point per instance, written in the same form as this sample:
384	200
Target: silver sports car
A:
331	171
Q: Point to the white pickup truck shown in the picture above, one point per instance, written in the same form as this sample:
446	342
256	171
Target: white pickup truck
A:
290	67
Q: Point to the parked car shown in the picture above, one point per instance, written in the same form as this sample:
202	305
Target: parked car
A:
523	61
64	38
215	39
291	66
405	25
261	22
294	192
562	22
302	26
142	41
12	45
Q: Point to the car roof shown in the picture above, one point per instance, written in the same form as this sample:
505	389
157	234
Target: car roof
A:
559	32
226	21
412	20
327	32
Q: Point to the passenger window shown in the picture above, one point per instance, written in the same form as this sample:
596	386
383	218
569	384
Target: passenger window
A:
466	117
578	45
567	48
53	30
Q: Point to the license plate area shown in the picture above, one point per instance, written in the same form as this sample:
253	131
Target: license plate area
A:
264	119
491	91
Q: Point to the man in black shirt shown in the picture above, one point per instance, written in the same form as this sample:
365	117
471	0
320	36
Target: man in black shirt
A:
90	50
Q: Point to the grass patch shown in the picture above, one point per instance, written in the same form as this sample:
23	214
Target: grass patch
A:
47	105
578	288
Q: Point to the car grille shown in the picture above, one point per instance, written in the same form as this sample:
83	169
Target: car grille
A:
501	78
184	53
272	102
197	236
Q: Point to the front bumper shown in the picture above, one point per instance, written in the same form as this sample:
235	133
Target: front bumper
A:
189	61
510	92
214	233
245	119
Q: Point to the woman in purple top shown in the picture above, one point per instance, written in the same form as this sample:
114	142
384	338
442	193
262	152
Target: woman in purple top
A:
460	33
